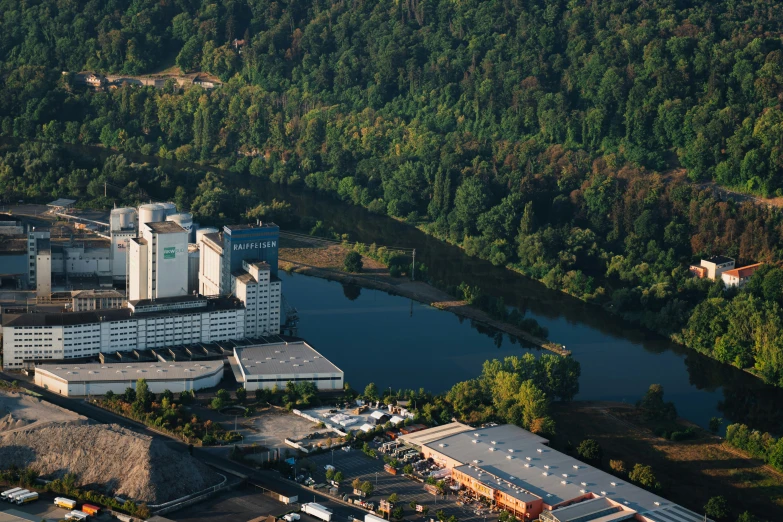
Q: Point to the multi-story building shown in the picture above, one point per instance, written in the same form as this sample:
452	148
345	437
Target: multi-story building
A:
32	337
158	262
738	277
712	267
255	286
242	260
222	253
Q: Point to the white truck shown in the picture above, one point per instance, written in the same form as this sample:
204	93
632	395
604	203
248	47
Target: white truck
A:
27	498
13	496
372	518
76	515
317	510
4	495
291	517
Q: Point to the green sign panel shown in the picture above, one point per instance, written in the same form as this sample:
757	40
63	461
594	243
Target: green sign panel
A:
169	252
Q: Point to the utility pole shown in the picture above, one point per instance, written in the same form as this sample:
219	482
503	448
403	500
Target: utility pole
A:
413	270
104	189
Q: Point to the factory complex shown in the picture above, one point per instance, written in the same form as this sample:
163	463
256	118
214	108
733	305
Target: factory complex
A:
182	300
515	470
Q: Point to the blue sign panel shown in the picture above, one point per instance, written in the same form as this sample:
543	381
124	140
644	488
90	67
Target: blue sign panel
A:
250	243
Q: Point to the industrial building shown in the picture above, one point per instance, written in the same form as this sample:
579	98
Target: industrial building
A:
97	379
265	366
222	253
158	262
516	470
142	325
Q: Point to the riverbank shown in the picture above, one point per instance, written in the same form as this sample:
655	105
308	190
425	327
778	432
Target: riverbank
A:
318	258
690	471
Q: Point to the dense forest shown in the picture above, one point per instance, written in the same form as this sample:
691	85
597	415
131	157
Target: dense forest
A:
567	140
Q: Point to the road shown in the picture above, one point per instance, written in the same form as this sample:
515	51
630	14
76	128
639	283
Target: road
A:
215	457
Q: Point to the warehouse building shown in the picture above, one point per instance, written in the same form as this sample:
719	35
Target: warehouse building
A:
97	379
516	471
265	366
35	337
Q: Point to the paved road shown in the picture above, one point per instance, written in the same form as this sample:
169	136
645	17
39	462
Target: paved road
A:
216	457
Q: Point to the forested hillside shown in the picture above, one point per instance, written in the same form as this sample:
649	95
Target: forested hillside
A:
542	135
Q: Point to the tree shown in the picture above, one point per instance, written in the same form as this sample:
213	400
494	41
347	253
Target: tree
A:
109	395
747	516
398	513
338	476
618	466
330	474
407	469
241	394
644	476
217	403
394	498
367	488
357	483
654	407
353	262
371	392
715	423
590	450
129	396
143	396
717	507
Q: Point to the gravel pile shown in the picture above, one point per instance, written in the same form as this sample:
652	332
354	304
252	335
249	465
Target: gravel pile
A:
107	458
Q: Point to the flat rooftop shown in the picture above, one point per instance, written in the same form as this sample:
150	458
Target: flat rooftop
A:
151	371
65	318
719	260
284	358
13	246
165	227
522	460
247	226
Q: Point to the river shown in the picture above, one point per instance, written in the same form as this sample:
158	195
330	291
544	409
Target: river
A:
387	339
395	342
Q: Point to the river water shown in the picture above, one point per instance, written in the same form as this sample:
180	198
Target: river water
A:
392	341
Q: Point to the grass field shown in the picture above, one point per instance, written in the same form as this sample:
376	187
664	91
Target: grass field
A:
690	471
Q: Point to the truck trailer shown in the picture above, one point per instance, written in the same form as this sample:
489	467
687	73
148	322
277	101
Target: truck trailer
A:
90	509
65	503
5	494
13	496
318	511
27	498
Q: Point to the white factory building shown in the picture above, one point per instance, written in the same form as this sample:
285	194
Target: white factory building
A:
255	286
158	262
144	324
265	366
97	379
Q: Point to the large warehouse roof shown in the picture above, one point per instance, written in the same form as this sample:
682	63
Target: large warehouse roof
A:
509	457
284	358
92	372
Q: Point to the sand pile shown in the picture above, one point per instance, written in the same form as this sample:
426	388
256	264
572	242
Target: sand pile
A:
107	458
10	423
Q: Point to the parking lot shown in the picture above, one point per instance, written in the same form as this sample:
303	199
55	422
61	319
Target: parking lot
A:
355	464
41	509
241	504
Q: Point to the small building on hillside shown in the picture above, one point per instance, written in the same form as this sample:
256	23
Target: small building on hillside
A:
712	267
738	277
